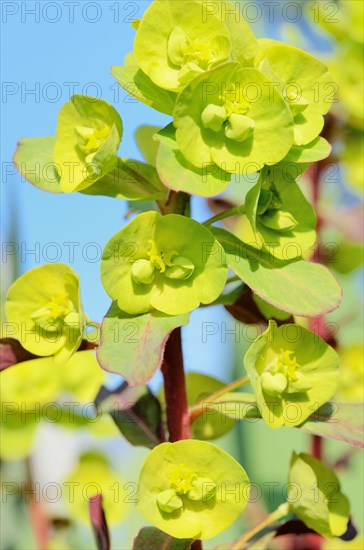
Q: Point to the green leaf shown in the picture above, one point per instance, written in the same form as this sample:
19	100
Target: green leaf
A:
318	149
139	85
180	175
319	503
151	538
312	289
147	146
128	180
137	414
340	421
133	346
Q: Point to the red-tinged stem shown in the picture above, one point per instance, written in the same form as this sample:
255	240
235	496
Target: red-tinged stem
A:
317	447
37	516
176	397
175	389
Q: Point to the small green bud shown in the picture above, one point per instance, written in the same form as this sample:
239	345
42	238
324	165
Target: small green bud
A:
179	268
239	127
300	384
142	272
213	117
188	72
168	501
265	199
279	220
204	488
273	384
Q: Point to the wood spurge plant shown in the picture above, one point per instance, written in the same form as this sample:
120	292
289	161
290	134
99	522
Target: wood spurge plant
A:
249	130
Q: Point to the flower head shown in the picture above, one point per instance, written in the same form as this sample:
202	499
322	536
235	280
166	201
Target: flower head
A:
170	263
293	372
174	43
45	304
89	132
278	216
191	489
226	116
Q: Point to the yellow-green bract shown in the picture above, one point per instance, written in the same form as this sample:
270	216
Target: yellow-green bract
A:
278	216
191	489
45	307
89	132
314	496
227	116
304	82
94	476
293	372
176	41
170	263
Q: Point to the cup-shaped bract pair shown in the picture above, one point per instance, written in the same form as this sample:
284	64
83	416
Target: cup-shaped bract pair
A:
228	116
304	82
169	263
293	372
93	475
315	497
278	216
89	132
44	305
176	41
191	489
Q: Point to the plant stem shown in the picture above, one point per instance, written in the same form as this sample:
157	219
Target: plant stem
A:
275	516
198	408
37	516
175	388
235	211
196	545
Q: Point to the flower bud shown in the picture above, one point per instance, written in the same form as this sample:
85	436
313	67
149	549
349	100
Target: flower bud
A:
239	127
204	489
179	268
273	384
279	220
142	272
168	501
213	117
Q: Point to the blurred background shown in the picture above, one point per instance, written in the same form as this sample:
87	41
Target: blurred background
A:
50	51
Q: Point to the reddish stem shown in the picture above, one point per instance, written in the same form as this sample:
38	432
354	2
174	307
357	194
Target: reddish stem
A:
317	447
37	516
175	389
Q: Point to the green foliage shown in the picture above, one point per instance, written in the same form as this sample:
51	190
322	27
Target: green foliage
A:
313	290
142	337
314	496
